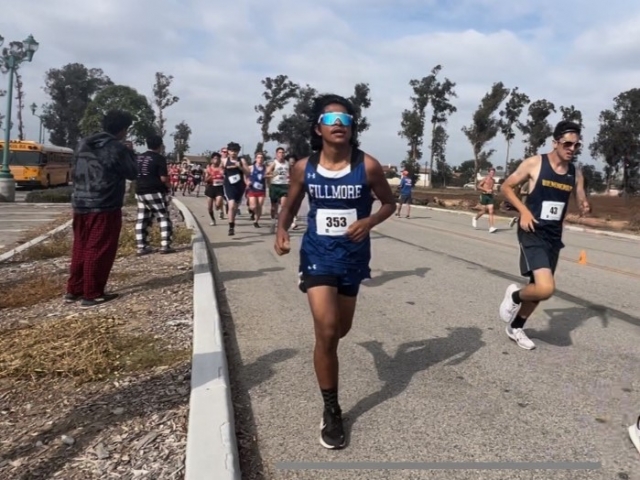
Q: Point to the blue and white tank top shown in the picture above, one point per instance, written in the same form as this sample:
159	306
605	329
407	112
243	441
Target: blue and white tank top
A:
257	178
336	200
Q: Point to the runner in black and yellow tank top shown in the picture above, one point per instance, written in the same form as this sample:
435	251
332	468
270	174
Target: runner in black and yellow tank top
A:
553	179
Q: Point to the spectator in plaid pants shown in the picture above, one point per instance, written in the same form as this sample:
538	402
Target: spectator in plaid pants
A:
102	164
152	193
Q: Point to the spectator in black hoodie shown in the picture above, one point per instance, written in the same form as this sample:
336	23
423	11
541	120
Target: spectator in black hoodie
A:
102	164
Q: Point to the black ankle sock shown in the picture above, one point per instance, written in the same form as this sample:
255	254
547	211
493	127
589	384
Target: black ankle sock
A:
330	398
515	296
232	224
211	214
518	322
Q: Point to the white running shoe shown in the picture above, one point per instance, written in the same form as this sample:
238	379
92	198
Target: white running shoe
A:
474	222
509	309
521	339
493	230
634	434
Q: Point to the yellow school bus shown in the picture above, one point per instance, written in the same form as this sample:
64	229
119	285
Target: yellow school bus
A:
36	165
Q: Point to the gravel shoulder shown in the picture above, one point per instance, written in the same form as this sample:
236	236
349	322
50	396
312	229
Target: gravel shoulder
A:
102	393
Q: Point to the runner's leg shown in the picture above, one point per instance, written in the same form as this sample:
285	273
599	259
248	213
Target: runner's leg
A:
333	317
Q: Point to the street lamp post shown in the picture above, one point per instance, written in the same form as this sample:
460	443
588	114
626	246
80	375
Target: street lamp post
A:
11	58
34	107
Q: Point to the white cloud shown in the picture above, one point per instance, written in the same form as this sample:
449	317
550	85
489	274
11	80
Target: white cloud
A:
219	51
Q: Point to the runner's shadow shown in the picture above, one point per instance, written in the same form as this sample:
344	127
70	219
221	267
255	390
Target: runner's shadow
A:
389	276
233	244
413	357
261	370
563	321
240	275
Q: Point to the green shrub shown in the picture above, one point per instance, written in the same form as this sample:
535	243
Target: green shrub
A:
51	195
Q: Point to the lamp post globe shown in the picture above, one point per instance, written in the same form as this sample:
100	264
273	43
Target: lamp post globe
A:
11	59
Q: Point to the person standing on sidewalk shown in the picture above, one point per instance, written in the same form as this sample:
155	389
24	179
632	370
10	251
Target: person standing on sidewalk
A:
152	194
101	166
406	188
336	248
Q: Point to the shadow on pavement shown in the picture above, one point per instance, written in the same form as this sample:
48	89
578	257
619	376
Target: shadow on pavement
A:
563	321
410	358
389	276
261	370
234	244
241	275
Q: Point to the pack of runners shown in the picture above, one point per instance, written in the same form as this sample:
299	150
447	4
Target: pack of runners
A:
341	183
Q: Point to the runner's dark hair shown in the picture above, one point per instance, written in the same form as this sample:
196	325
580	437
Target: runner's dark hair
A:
317	109
115	121
565	126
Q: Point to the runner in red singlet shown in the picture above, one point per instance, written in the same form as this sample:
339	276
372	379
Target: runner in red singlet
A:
214	178
174	175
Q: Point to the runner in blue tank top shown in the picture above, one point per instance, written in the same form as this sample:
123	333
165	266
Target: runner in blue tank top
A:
338	179
553	179
256	188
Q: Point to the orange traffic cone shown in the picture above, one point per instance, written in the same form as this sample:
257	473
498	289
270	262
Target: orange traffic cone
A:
583	257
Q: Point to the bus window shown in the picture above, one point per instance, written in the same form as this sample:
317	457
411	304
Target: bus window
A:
25	159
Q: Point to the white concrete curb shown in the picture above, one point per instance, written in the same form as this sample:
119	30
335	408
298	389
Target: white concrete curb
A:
606	233
11	253
211	441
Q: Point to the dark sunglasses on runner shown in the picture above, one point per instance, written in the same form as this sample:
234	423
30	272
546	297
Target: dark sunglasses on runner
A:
577	145
331	118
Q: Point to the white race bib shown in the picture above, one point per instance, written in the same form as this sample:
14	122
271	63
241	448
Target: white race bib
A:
234	178
334	223
257	185
552	211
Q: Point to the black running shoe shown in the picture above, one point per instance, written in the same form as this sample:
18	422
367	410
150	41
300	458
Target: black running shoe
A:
331	430
232	231
96	302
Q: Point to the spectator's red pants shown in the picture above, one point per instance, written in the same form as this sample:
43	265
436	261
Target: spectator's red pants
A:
95	244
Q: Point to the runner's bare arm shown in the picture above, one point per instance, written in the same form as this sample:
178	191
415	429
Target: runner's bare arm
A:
581	194
381	189
269	172
522	174
294	197
245	167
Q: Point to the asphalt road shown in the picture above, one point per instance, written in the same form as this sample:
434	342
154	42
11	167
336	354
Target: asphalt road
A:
427	373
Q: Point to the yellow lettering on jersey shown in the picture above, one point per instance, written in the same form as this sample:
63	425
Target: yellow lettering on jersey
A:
557	185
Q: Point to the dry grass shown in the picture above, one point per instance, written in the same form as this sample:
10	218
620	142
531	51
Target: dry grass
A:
32	290
58	245
84	349
181	236
634	222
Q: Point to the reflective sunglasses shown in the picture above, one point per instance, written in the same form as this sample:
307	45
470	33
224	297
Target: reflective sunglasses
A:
331	118
577	145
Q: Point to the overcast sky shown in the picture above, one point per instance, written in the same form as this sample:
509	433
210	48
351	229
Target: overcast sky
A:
569	52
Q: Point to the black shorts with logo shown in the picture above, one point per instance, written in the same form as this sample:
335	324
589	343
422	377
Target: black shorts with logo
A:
537	252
